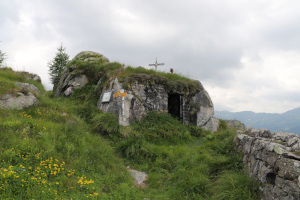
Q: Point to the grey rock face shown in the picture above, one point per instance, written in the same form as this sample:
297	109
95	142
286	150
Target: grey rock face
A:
143	98
68	82
205	105
23	99
64	79
19	102
212	124
75	83
271	159
146	93
71	79
29	87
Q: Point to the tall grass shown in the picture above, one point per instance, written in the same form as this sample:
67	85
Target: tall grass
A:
47	152
8	77
182	166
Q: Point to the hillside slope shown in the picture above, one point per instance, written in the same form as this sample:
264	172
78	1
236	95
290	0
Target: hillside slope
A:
48	152
66	148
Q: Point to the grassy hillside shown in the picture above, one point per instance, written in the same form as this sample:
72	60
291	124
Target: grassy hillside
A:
66	148
8	78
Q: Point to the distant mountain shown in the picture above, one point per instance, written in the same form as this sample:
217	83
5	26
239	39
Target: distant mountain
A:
288	121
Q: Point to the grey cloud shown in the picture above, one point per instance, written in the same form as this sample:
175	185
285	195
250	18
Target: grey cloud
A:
204	40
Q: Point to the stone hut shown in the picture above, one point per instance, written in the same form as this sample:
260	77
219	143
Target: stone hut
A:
145	94
131	97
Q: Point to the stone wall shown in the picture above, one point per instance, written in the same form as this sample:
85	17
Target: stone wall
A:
273	159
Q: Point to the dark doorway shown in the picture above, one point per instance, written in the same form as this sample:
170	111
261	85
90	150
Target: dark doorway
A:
174	105
271	177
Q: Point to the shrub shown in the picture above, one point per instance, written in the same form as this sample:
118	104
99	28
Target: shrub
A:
197	131
222	126
158	127
105	124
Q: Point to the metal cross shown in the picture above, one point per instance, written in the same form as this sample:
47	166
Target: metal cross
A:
156	64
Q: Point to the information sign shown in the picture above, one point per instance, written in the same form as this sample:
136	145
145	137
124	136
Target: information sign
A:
106	97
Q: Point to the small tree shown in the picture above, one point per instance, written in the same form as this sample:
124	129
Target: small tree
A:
2	57
57	65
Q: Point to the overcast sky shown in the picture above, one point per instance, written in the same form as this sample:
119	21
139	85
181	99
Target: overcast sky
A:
246	53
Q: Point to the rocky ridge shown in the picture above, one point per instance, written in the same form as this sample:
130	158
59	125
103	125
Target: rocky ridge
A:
144	93
72	78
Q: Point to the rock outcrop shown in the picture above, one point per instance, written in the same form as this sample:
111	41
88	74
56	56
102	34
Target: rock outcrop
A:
212	124
272	158
28	87
73	78
143	98
30	76
235	124
143	93
90	56
206	108
24	97
139	177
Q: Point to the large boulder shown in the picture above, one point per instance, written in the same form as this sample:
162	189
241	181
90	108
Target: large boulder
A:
90	56
29	87
72	78
23	97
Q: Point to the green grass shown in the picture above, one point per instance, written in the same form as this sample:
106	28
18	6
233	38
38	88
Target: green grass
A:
129	75
8	78
171	82
82	164
180	165
234	185
66	148
94	70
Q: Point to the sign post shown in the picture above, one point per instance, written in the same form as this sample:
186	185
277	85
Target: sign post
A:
106	97
123	106
122	94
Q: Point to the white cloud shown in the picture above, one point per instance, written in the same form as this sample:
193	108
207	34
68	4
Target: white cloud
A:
267	84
